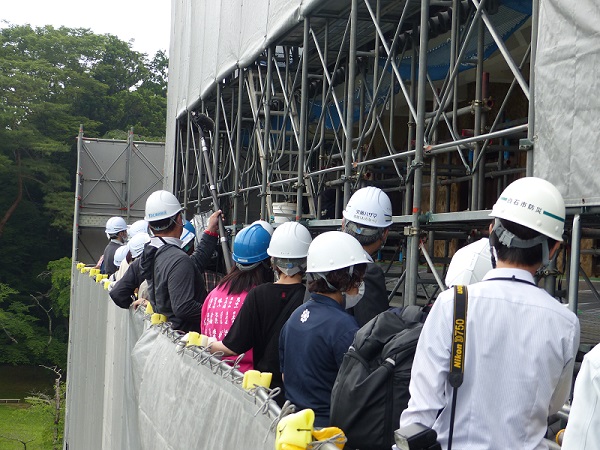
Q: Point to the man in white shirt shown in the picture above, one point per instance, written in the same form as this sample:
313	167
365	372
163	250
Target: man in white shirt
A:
583	428
520	342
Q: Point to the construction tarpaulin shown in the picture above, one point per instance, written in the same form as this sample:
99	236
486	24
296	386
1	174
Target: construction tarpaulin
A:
210	39
567	104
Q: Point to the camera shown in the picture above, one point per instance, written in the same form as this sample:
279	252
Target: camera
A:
416	437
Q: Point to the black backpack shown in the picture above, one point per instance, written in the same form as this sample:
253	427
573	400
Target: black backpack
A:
371	388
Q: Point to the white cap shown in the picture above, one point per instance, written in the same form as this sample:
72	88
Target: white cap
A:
161	205
334	250
115	225
469	264
266	225
137	243
369	206
120	255
140	226
534	203
290	240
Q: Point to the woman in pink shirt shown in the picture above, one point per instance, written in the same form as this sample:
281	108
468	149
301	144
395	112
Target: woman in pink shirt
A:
252	267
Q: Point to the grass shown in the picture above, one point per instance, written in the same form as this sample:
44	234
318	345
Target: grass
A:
18	421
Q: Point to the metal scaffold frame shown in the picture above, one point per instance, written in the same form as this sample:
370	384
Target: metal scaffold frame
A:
339	102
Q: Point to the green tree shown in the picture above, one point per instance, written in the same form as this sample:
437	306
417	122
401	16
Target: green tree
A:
51	81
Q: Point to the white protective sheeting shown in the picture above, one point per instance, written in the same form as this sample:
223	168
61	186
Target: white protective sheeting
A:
567	104
130	387
212	38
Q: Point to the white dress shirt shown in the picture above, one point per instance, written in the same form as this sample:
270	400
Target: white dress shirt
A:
519	357
583	429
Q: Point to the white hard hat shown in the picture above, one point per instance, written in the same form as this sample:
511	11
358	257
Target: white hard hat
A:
140	226
136	244
161	205
369	206
290	240
470	264
115	225
534	203
334	250
266	225
120	255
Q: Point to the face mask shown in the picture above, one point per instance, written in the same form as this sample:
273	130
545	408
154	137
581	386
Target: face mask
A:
352	299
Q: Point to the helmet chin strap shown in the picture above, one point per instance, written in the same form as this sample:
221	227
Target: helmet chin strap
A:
509	239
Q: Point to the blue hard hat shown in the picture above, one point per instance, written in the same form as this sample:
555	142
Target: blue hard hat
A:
188	233
251	244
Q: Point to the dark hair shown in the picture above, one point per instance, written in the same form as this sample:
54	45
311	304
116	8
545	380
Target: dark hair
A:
238	281
339	279
372	235
514	255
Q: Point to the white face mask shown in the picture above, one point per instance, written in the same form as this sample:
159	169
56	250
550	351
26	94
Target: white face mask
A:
353	299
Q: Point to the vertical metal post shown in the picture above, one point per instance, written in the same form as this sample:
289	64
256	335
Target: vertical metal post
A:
217	136
77	198
303	113
238	149
475	188
186	159
267	136
413	264
535	12
574	264
200	164
128	188
323	103
411	125
350	101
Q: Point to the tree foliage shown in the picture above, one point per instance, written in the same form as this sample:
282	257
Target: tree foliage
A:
52	80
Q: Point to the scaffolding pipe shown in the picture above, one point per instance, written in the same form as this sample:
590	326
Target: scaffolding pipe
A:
129	155
475	185
574	264
350	102
535	11
267	136
238	149
413	264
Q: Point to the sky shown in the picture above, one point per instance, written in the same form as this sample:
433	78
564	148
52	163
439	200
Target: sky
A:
147	22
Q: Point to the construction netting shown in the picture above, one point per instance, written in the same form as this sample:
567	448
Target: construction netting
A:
566	101
132	385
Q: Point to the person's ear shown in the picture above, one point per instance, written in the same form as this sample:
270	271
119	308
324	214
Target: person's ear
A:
384	236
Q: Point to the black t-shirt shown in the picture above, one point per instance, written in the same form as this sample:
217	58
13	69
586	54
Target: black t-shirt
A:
253	326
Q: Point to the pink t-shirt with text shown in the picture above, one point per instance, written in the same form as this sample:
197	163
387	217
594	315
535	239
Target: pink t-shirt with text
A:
218	313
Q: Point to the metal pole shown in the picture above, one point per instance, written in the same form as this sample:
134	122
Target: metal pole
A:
535	10
324	90
413	235
350	101
216	145
574	264
186	160
303	114
238	149
77	199
411	125
129	155
475	188
202	166
267	136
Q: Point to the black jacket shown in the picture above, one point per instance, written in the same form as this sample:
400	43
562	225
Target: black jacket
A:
174	281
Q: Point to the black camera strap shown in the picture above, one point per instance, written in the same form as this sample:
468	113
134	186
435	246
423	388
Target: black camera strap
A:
457	357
